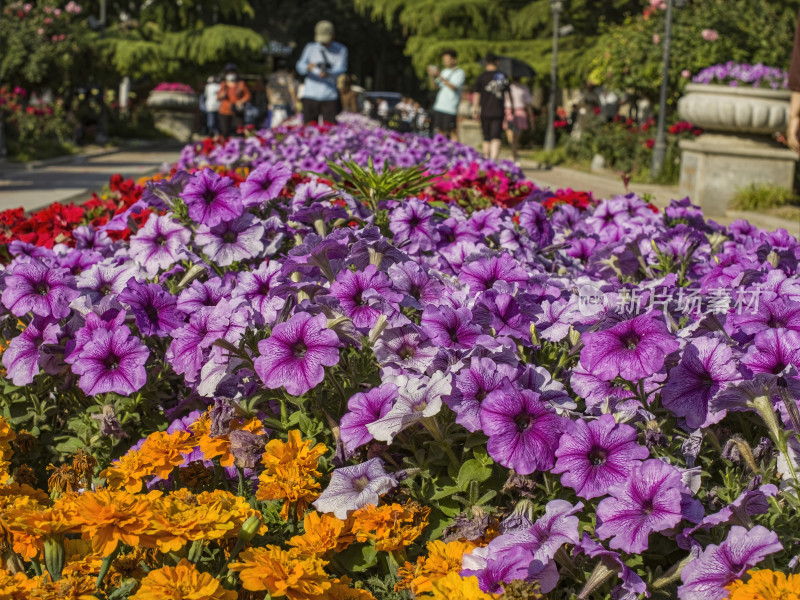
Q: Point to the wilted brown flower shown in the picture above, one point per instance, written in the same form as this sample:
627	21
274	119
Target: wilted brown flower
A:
26	475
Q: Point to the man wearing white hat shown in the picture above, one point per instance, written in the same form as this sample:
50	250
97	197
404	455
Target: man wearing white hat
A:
322	61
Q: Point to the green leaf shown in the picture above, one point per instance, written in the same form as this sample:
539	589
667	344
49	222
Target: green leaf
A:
472	470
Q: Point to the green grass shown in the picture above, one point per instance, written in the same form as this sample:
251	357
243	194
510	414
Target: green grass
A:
762	197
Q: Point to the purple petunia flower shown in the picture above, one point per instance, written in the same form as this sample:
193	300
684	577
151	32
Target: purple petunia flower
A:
106	279
294	355
523	431
33	286
773	350
632	349
265	183
112	362
705	578
631	582
363	409
594	456
211	198
186	352
412	226
448	327
159	244
231	241
22	358
353	487
257	288
648	501
403	349
706	368
472	385
416	283
353	290
153	307
203	294
482	273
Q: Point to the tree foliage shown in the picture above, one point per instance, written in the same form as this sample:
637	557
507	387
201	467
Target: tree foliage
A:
629	55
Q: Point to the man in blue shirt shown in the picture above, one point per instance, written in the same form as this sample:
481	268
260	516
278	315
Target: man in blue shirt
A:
322	61
449	83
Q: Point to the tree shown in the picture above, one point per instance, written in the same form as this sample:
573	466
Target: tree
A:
629	55
519	28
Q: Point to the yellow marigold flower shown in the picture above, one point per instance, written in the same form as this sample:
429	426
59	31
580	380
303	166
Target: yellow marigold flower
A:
233	510
26	545
70	587
48	522
291	469
392	526
454	587
15	587
220	445
7	436
442	558
128	472
165	451
320	534
341	590
181	581
87	565
766	585
109	517
282	573
14	490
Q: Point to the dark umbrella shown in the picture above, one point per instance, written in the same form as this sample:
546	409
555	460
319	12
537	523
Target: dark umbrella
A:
513	67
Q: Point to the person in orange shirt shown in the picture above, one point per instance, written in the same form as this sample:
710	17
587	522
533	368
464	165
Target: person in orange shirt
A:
233	95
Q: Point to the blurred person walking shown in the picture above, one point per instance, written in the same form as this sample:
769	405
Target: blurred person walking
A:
281	94
449	82
519	114
488	103
233	96
347	94
321	63
212	105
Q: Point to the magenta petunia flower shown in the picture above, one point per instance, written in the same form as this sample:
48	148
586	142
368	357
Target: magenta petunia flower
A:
265	183
648	501
482	273
594	456
472	385
153	307
774	314
706	368
412	226
22	358
773	350
159	244
416	283
112	362
186	352
353	487
203	294
633	349
294	355
211	198
353	288
363	409
523	431
705	577
34	287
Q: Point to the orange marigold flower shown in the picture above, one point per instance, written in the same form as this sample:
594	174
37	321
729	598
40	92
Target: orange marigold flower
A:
49	522
181	581
128	472
291	472
71	587
442	558
320	534
165	451
392	526
765	585
109	517
26	545
454	587
220	445
341	590
15	587
282	573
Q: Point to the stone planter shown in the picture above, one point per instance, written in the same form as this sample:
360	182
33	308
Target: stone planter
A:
169	100
735	109
174	113
739	149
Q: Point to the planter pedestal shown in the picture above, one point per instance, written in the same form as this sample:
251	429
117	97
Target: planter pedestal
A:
177	124
714	166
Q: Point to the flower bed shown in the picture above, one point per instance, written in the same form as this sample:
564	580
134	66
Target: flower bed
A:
358	385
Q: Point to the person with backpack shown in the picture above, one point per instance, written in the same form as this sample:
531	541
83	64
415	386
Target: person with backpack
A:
488	103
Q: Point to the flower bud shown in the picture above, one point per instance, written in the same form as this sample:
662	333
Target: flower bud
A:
249	529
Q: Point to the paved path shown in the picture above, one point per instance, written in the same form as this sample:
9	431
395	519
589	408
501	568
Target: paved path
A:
75	180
